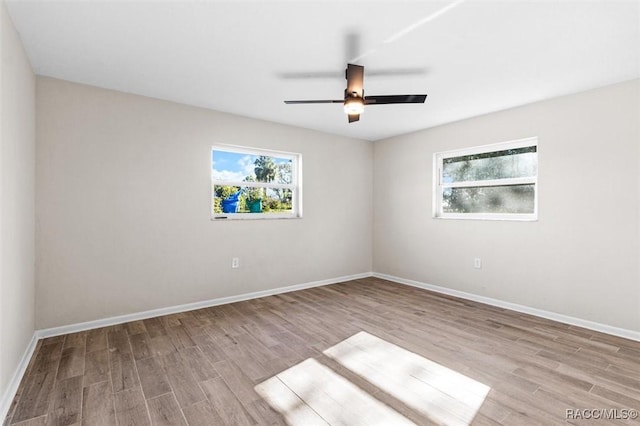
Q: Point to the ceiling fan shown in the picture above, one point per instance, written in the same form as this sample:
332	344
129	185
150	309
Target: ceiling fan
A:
354	98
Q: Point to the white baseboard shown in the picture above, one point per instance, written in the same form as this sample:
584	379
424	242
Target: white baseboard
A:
591	325
74	328
10	391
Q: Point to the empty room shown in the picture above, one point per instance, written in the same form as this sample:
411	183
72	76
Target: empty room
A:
218	212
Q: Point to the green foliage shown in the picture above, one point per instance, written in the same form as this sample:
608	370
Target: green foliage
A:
251	193
283	173
285	176
462	201
225	191
265	169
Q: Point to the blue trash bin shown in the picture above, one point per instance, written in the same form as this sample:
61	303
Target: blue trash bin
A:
230	204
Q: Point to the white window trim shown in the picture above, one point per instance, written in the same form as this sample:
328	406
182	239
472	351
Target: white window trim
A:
295	186
439	186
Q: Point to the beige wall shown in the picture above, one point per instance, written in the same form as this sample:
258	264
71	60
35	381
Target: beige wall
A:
579	259
17	189
118	233
123	189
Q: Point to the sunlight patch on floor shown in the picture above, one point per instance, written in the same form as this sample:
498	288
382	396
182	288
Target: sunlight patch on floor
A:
437	392
310	393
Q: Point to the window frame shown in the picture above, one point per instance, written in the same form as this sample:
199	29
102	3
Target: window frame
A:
295	186
439	186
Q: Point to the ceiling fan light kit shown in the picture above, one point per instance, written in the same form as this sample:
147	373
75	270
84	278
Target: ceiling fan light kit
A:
353	104
354	99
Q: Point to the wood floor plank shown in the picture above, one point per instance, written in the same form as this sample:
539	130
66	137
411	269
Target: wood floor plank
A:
237	381
152	378
550	377
162	345
96	340
165	411
75	340
291	407
219	336
47	358
256	367
65	408
131	408
264	414
194	326
617	397
96	367
202	414
172	320
625	371
180	337
615	341
140	345
123	374
121	363
54	339
38	421
184	385
557	403
34	402
225	402
213	353
198	364
263	332
135	327
97	405
154	327
214	365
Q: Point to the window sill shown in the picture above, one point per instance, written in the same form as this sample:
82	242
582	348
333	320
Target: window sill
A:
512	218
252	216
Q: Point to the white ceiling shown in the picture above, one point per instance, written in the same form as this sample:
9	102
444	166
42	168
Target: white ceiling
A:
475	56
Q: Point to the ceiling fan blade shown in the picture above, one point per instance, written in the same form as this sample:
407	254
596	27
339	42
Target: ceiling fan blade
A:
397	71
307	75
354	117
395	99
355	79
315	101
389	72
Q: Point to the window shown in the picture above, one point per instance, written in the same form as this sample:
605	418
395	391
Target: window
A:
489	182
248	183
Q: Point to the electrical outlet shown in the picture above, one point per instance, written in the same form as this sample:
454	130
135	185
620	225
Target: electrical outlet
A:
477	263
235	262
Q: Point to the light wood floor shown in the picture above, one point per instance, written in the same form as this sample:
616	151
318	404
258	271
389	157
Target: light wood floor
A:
362	352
